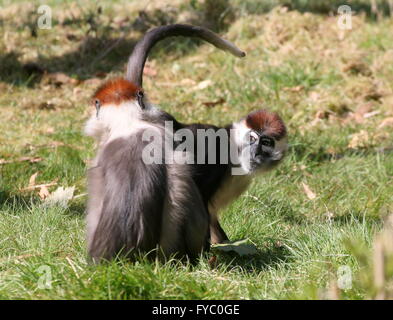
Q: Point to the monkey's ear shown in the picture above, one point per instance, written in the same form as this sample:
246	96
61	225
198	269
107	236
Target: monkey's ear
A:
140	95
97	104
267	122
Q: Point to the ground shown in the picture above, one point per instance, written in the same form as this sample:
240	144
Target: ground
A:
317	220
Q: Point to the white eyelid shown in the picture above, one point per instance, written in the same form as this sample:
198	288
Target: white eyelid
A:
253	135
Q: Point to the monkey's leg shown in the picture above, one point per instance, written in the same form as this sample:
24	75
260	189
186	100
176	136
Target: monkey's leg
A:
217	234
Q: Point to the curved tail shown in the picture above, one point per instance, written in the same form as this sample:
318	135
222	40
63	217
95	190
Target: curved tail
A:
137	60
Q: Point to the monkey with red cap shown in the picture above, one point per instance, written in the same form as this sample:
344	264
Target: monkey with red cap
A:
260	138
137	207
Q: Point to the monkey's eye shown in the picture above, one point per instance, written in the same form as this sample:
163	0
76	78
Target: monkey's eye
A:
98	106
266	141
253	137
97	103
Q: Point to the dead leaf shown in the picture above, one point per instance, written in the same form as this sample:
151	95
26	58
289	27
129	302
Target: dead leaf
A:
359	140
46	106
58	79
212	104
22	159
314	96
358	68
241	247
50	130
371	114
386	122
44	192
187	82
39	186
60	196
203	85
32	179
294	89
311	195
92	82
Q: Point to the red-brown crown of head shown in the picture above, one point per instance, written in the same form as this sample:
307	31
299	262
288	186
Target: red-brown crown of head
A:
116	91
268	122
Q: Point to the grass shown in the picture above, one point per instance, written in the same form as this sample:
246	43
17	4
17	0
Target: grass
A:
332	87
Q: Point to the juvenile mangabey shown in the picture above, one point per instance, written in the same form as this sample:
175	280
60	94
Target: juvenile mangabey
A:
260	137
260	140
134	206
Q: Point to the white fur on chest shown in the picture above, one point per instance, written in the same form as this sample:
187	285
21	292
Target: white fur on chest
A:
231	189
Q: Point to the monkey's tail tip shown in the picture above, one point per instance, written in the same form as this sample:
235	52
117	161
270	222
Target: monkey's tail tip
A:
234	50
237	52
227	46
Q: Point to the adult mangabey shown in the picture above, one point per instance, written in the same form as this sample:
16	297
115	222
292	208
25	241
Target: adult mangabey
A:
134	205
137	205
260	137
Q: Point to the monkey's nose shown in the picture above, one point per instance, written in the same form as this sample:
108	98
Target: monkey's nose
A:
263	154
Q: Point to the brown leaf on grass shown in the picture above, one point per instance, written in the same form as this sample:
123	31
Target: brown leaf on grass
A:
386	122
58	79
360	114
44	192
373	94
22	159
311	195
32	179
358	67
359	140
93	82
241	247
187	82
61	196
203	85
371	114
294	89
211	104
39	186
72	37
49	130
46	106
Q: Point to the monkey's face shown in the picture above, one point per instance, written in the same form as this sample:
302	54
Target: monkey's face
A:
261	140
265	151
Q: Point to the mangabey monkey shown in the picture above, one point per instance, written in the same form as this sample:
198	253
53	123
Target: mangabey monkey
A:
260	137
133	206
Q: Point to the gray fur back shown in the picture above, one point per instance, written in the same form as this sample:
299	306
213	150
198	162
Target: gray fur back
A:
137	207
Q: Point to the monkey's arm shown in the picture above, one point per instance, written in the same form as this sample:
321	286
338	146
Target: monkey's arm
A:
217	234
